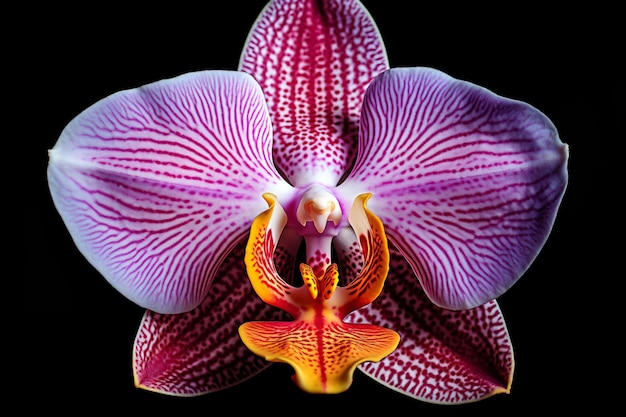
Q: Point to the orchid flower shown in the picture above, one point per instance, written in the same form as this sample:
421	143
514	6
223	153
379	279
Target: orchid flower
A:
193	197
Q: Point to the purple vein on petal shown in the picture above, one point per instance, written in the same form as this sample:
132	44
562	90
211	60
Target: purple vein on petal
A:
466	182
157	184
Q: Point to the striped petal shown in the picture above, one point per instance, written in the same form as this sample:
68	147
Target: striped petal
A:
199	352
444	356
158	183
314	60
467	183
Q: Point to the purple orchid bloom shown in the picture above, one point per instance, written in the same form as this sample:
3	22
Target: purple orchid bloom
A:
165	188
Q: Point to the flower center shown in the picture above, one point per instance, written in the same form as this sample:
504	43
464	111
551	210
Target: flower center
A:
319	206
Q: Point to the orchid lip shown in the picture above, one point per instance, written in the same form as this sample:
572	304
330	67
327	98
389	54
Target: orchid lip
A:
323	349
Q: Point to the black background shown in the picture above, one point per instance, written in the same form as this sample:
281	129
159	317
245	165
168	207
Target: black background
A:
79	331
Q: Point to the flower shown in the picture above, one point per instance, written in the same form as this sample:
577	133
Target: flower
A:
159	187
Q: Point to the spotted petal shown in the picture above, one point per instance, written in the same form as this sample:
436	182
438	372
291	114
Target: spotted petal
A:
444	356
314	60
467	183
158	183
200	351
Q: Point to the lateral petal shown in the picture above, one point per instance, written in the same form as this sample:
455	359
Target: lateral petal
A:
199	352
444	356
467	183
158	183
314	60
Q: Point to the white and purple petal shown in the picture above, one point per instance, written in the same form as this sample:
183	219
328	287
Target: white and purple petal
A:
314	60
157	184
467	183
444	356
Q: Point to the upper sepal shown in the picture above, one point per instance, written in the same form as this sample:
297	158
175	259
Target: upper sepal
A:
314	60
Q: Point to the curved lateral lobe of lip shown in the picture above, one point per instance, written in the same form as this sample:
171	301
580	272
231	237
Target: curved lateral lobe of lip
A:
444	356
157	184
467	183
314	60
